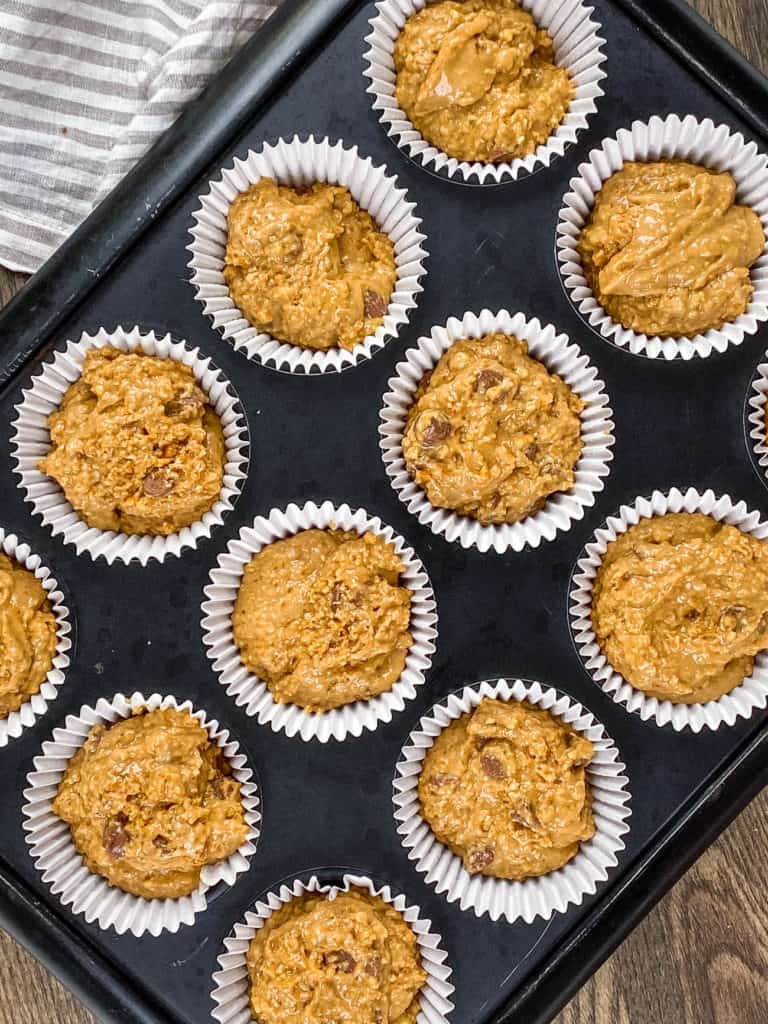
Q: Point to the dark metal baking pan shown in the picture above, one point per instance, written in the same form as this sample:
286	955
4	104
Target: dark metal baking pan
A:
328	807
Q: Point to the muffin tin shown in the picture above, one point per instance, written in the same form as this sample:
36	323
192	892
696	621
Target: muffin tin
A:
328	807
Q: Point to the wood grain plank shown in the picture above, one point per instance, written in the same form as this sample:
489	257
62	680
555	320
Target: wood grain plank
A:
701	957
30	995
9	285
743	22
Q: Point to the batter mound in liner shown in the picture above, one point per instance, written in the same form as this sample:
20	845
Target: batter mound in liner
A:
492	433
667	251
680	606
505	788
135	444
322	618
350	959
27	635
150	801
478	79
308	265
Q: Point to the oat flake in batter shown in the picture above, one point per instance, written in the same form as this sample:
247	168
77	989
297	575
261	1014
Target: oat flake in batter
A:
478	80
348	960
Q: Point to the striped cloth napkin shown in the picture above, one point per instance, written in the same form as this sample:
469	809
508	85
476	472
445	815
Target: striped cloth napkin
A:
86	86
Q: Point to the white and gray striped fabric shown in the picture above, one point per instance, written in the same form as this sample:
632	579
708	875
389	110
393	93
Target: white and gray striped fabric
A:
86	86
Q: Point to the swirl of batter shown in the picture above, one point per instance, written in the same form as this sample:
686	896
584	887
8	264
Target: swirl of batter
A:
667	249
478	79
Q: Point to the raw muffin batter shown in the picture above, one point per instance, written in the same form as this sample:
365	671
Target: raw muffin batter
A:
478	79
666	252
321	617
505	788
135	445
680	606
27	635
491	433
150	801
349	960
308	265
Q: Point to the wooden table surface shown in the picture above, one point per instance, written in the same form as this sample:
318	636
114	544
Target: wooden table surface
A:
700	957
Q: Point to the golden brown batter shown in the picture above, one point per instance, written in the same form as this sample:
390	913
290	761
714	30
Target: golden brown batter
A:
478	79
666	252
308	265
150	801
350	960
492	433
27	635
135	445
322	618
505	788
680	606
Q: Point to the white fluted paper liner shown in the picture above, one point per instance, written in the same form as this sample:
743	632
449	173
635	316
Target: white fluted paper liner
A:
740	702
303	162
559	356
31	441
12	725
62	867
756	416
251	693
231	991
578	47
669	138
501	898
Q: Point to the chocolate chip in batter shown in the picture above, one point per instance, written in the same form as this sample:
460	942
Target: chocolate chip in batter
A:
116	836
155	485
341	959
532	451
480	859
439	430
374	305
487	379
160	843
492	766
